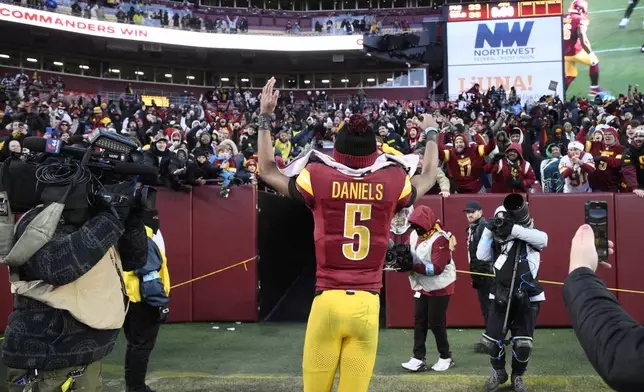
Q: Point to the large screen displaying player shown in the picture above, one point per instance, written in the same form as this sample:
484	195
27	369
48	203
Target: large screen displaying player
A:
577	49
615	42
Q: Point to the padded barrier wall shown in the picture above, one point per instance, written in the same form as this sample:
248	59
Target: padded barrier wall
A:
220	232
559	216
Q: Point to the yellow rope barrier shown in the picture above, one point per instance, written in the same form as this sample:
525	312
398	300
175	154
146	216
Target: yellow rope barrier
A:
214	272
459	271
551	282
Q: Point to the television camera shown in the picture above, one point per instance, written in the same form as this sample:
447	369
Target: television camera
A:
94	161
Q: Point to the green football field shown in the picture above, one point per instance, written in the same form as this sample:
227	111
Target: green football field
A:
620	59
267	358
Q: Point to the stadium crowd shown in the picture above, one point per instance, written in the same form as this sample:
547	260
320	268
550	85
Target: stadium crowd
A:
188	16
488	141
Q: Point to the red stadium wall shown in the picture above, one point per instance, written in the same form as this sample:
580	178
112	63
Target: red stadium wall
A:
204	233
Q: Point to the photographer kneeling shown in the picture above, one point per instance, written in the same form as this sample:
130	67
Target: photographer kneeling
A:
69	296
511	240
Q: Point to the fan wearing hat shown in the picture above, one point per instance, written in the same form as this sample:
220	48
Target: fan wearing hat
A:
575	168
631	167
465	162
607	155
353	198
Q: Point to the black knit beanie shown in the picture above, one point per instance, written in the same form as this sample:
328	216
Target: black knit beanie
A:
355	145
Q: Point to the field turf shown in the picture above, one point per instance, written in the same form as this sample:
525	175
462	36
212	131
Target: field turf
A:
620	59
267	357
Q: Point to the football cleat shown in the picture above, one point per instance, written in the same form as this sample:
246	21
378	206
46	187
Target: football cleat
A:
624	23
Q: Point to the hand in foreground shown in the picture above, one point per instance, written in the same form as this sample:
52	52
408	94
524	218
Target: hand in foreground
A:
583	252
268	101
639	192
427	121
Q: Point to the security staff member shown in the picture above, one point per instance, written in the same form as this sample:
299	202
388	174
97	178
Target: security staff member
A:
148	289
474	213
513	243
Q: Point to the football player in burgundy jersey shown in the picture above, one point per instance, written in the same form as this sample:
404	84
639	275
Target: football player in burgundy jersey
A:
577	48
353	198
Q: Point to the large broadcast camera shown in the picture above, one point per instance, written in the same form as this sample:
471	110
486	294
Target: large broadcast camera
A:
96	160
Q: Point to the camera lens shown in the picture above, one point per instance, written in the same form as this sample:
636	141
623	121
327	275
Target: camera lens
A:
516	206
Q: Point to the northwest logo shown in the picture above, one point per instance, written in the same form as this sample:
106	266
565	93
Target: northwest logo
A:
507	42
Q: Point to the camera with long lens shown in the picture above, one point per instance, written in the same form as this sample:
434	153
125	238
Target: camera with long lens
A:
516	213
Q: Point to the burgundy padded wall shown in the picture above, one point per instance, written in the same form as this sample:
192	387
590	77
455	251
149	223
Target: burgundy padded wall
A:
224	232
6	300
398	293
463	310
176	228
629	213
560	217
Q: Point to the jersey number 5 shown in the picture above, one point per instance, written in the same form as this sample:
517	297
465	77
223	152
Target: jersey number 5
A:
353	213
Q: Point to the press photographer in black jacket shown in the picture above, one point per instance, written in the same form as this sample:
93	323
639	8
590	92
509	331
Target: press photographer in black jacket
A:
482	284
612	340
69	300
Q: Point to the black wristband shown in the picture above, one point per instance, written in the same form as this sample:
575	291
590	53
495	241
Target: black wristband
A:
264	122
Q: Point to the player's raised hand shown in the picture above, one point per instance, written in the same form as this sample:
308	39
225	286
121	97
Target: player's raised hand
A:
268	100
427	121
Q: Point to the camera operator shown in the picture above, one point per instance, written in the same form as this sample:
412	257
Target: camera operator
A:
432	278
69	297
482	284
512	242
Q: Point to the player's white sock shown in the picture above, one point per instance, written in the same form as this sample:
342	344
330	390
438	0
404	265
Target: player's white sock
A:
624	22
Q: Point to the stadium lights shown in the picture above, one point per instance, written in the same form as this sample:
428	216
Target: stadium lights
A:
224	79
140	73
244	80
190	77
4	56
83	67
325	80
390	79
371	80
344	80
32	60
168	75
115	70
307	82
58	63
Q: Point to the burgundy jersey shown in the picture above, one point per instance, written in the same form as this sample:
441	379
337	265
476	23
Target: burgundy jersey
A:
572	39
467	166
352	218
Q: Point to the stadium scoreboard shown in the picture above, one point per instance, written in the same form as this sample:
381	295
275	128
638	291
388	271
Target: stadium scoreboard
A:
504	10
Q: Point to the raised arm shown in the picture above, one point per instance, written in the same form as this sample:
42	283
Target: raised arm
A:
427	178
270	173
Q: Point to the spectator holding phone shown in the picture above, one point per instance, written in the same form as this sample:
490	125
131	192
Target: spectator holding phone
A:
612	340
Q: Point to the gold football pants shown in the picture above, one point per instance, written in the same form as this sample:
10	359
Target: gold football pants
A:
342	330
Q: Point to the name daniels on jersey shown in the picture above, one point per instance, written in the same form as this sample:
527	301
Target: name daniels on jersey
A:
356	190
